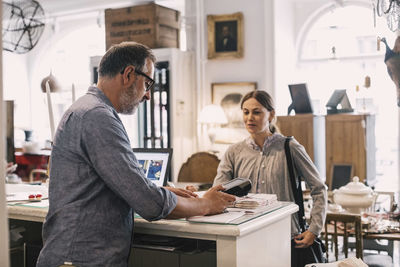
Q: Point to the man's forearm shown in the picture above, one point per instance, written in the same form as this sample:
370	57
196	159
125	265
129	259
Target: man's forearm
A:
187	207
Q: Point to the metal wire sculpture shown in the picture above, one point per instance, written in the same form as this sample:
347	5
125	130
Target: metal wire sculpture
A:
23	25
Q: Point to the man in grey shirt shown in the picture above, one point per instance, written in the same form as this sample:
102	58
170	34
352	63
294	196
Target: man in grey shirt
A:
96	182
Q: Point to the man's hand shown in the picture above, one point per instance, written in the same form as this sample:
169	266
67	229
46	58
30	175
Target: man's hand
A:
181	192
191	188
218	200
304	240
214	201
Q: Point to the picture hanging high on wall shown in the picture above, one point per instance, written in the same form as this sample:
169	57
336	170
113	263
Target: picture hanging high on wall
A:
228	96
225	36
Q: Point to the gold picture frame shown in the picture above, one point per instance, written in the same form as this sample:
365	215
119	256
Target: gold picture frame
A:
225	36
228	96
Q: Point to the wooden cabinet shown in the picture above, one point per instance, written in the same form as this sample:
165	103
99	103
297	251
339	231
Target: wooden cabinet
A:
336	139
301	128
350	139
309	130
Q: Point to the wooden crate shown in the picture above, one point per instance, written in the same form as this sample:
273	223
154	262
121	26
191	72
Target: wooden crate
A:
153	25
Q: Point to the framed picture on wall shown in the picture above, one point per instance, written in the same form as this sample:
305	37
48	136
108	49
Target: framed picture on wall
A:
225	35
228	96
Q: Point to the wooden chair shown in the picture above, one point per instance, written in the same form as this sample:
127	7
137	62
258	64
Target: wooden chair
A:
201	167
38	175
384	201
344	225
380	203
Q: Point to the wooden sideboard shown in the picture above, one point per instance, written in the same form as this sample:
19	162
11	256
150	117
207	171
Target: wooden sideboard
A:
309	130
336	139
350	139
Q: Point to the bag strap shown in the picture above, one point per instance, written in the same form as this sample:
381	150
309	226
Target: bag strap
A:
297	192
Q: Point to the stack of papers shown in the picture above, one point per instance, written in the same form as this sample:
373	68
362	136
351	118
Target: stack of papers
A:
249	205
253	201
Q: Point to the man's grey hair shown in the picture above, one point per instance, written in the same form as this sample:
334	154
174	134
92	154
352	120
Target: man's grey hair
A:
119	56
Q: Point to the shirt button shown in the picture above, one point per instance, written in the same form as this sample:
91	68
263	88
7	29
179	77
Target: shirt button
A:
263	182
263	166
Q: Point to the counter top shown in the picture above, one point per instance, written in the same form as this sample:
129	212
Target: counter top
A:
184	227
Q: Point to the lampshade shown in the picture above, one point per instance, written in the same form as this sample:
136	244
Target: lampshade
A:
212	114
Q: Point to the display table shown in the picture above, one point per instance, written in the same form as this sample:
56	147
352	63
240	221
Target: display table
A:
252	240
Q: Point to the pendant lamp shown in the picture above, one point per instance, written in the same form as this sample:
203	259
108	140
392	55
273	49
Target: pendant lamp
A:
54	85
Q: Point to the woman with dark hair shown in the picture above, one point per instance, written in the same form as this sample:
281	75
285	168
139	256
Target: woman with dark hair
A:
261	158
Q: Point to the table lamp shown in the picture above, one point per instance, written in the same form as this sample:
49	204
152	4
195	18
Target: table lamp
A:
212	116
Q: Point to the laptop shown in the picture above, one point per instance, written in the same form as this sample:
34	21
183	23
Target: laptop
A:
155	163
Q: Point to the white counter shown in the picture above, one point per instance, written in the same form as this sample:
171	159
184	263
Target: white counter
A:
254	240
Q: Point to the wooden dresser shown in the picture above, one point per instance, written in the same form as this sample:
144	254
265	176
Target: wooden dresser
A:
336	139
350	139
309	130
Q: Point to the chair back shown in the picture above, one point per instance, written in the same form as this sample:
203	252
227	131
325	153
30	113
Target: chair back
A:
38	175
383	198
201	167
344	225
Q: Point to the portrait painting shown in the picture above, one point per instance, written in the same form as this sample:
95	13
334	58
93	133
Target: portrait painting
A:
228	96
225	36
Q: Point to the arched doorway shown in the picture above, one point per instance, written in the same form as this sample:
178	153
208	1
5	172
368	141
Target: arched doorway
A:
337	51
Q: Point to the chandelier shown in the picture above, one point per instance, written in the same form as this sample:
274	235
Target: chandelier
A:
391	10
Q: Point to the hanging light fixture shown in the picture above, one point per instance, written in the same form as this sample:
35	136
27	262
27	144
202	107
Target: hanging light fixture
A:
54	85
333	51
391	10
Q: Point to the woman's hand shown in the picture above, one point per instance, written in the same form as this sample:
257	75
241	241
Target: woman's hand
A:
181	192
304	240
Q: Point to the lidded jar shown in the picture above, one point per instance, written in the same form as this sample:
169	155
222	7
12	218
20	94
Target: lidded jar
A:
354	197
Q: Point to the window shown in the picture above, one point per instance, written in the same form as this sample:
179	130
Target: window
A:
68	58
338	52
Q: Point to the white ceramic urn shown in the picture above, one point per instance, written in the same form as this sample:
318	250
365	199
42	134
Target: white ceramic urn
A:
354	197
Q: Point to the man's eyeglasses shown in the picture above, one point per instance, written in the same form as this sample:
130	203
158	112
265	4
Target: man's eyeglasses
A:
149	81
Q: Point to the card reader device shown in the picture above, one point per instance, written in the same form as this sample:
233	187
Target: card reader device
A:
238	187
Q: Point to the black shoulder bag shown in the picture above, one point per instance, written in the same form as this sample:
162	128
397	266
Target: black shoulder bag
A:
316	252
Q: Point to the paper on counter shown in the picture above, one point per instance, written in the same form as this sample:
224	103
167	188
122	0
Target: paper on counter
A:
256	200
41	204
348	262
256	210
225	217
200	193
21	192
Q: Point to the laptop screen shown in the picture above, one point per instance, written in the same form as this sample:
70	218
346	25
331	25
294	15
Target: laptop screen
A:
155	163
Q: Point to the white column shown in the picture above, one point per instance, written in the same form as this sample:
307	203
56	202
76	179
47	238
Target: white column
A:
4	254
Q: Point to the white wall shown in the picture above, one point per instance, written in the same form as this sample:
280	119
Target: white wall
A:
284	53
66	52
16	87
251	67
